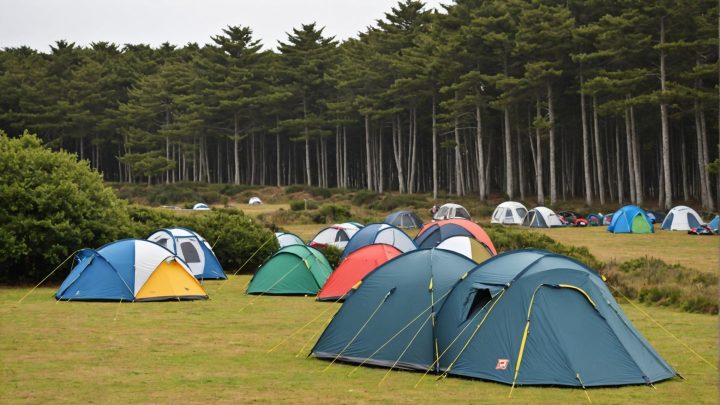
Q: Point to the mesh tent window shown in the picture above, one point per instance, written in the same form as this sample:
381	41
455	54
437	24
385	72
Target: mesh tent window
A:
190	254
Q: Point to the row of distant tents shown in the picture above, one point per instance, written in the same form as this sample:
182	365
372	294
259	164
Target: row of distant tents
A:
446	303
628	219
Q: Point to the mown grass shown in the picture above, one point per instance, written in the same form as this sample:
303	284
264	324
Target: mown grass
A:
218	351
698	252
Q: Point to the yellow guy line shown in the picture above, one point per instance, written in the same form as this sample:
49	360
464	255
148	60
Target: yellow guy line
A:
384	299
304	326
48	276
246	262
663	328
273	284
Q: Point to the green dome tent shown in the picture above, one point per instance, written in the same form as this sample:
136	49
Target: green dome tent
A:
292	270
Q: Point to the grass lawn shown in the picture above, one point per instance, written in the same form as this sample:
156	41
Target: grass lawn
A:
699	252
218	351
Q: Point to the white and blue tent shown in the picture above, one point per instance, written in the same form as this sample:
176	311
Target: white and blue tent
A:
193	249
130	270
681	218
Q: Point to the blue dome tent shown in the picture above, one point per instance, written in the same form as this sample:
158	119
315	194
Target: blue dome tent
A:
630	219
379	233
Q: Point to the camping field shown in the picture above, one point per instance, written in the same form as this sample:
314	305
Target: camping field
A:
237	348
220	351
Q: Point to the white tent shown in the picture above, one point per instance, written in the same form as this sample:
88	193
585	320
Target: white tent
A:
450	211
509	213
681	218
466	246
193	249
201	207
337	235
541	217
255	201
287	239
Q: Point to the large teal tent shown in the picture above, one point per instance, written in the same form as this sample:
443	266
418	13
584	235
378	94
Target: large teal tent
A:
630	219
388	321
292	270
526	317
532	317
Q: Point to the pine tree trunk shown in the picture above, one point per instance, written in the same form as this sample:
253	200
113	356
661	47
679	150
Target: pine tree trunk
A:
683	164
380	161
706	159
630	165
480	164
598	154
618	165
397	152
236	151
551	119
508	153
636	159
459	182
665	124
368	153
308	172
434	149
586	146
538	161
413	157
521	164
345	162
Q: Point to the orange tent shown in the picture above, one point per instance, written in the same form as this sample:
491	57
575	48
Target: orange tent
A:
354	268
432	232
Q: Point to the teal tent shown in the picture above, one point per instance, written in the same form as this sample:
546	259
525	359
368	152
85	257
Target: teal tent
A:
526	317
388	321
532	317
292	270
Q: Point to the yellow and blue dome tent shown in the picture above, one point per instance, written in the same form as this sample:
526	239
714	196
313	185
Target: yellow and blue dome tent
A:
130	270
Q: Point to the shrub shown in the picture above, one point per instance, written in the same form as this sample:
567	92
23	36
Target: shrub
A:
332	254
364	197
332	213
296	188
391	202
300	205
234	235
53	205
652	281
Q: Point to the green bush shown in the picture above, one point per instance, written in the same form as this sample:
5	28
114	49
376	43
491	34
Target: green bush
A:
652	281
52	205
234	235
300	205
332	254
391	202
295	188
364	197
332	213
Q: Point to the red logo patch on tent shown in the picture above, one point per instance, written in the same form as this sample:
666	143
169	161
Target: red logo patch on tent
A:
502	364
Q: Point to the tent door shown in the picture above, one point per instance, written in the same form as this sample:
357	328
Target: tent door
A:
640	224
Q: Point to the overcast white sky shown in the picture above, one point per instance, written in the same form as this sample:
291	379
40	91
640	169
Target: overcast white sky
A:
39	23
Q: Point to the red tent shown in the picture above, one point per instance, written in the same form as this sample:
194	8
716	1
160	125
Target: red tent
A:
474	229
358	264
